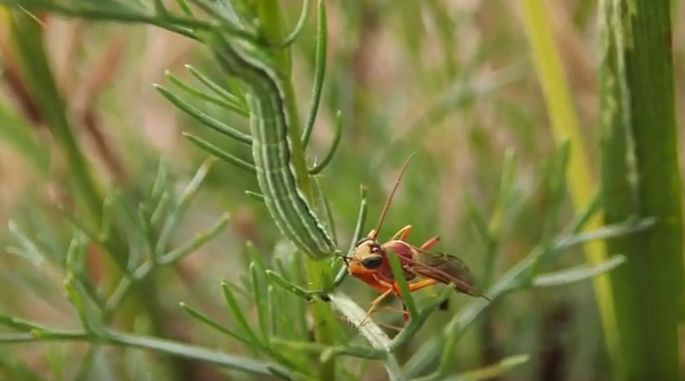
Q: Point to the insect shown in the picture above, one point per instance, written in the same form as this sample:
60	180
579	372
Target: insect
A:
272	148
421	267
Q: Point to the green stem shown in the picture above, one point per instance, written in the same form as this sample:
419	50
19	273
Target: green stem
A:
150	343
640	176
317	272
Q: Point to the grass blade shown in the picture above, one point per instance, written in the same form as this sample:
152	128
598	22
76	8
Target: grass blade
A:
641	177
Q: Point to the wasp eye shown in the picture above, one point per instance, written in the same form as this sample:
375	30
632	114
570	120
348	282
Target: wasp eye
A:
372	262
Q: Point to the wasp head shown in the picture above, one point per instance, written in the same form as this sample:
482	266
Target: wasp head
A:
367	257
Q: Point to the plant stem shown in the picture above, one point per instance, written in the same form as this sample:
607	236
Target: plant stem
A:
565	127
640	176
317	272
145	342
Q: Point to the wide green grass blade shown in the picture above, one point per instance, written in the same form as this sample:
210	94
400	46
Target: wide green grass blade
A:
641	176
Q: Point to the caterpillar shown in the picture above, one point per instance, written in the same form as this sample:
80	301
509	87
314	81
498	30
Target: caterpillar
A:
270	120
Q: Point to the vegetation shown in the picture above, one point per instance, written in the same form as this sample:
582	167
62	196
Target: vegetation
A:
131	253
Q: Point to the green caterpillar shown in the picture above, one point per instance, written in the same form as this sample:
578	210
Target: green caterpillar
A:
271	146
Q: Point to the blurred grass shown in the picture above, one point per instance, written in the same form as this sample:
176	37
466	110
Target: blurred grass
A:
566	129
457	89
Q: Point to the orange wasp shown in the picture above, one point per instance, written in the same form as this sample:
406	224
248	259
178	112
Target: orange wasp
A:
369	262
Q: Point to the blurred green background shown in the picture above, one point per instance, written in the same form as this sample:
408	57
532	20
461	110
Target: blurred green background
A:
453	81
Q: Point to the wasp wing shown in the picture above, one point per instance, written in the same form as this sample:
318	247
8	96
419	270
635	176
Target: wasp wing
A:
444	268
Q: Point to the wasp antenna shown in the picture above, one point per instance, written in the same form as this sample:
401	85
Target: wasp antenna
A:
377	230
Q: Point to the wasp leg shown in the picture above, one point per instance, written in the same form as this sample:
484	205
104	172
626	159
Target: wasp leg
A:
421	284
402	234
430	243
415	287
374	306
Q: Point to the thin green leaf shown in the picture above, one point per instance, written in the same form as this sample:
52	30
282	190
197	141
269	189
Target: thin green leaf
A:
212	323
197	242
119	14
398	274
161	209
258	299
185	8
326	206
29	249
255	196
75	264
187	196
333	351
216	88
90	320
319	72
358	228
361	219
506	185
334	146
231	106
161	179
298	27
280	281
271	310
190	190
107	219
21	324
220	153
237	312
577	274
204	118
227	23
492	371
632	225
